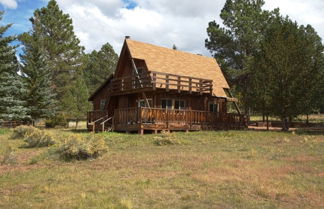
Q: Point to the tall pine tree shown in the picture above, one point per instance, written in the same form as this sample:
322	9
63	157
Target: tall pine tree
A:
234	44
37	77
100	65
62	52
12	106
288	70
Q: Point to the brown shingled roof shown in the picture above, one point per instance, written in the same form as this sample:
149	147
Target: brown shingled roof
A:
171	61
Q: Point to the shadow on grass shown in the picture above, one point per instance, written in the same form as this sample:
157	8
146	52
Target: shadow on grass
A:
317	131
77	130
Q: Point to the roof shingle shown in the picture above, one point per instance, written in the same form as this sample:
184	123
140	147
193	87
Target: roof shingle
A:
171	61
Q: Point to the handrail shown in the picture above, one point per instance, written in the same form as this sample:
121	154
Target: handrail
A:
168	81
99	119
106	120
183	76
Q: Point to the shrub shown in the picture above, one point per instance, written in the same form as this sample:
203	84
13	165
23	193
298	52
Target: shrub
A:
166	138
21	131
9	157
82	148
39	138
58	120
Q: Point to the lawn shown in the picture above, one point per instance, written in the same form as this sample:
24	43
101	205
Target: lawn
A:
225	169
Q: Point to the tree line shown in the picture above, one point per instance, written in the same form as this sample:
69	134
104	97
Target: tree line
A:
275	65
54	76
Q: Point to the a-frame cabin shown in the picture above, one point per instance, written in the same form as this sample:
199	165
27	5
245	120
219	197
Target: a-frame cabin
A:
156	88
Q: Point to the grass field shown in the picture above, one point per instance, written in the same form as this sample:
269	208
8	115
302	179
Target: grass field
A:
233	169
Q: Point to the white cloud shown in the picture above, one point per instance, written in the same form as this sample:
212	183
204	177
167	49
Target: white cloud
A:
11	4
304	12
166	22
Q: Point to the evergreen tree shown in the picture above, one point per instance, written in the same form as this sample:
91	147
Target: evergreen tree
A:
234	45
288	70
12	106
62	53
100	65
40	97
76	100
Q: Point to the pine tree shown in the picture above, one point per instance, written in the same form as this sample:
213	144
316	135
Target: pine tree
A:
63	55
76	100
100	65
288	70
234	44
12	106
37	78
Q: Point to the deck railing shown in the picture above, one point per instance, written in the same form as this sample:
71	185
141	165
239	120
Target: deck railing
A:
165	117
95	115
157	80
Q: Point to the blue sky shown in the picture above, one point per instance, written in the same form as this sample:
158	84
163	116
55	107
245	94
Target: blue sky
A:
20	15
160	22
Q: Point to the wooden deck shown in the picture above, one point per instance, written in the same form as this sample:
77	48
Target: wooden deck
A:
157	80
140	119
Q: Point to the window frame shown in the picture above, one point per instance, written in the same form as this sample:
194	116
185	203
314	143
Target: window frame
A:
179	100
215	104
102	104
150	100
167	107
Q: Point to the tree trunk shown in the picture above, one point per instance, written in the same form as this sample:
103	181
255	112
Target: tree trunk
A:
76	124
263	117
307	120
285	126
267	122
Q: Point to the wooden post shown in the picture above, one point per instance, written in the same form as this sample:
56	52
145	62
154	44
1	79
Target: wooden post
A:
167	118
141	131
190	85
200	86
211	88
167	82
154	81
179	83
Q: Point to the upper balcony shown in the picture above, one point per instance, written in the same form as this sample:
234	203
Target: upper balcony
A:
150	81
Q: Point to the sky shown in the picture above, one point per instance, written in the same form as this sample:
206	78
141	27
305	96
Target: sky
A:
160	22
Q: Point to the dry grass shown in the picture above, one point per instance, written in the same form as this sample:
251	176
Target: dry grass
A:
314	118
234	169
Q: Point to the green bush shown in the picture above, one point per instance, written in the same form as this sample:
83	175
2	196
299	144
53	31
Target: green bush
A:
58	120
39	138
21	131
166	138
82	148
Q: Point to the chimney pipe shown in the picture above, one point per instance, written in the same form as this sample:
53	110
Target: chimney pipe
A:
127	37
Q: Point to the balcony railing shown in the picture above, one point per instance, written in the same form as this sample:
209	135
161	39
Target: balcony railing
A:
157	80
183	119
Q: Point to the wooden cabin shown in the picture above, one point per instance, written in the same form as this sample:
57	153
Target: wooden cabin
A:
156	88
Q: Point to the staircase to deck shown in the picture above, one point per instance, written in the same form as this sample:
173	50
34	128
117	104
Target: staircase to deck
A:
99	121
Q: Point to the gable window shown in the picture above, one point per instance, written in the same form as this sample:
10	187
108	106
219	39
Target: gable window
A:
213	107
143	103
102	104
166	103
179	104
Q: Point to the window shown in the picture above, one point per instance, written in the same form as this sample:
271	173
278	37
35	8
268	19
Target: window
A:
166	103
179	104
142	103
213	107
102	104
